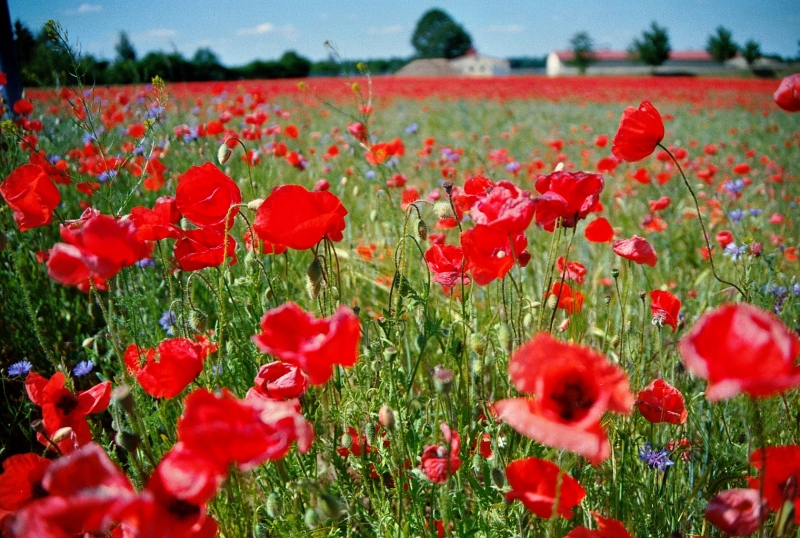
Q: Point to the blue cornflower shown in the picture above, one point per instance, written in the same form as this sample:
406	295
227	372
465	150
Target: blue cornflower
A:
513	166
82	368
167	321
734	186
755	212
20	368
146	262
154	112
655	459
736	215
734	251
411	129
369	174
796	289
105	176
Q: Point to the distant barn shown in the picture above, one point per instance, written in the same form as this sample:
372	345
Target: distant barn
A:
613	62
471	64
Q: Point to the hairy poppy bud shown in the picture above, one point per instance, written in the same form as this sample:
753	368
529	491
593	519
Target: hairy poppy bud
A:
443	210
386	418
223	154
552	302
62	434
329	506
126	440
422	230
253	205
274	505
314	278
559	167
311	518
369	433
498	477
390	353
122	395
504	336
477	343
347	440
198	321
4	241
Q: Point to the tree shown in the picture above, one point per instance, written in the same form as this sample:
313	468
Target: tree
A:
653	48
124	48
438	36
583	50
751	52
721	46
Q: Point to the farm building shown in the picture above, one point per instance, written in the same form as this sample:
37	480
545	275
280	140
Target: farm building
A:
471	64
613	62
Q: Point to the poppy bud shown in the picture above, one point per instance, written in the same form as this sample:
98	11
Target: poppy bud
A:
498	477
559	167
422	231
443	210
373	215
369	433
62	434
329	506
504	336
274	505
253	205
314	278
347	440
311	518
198	321
477	343
552	302
386	418
442	379
122	395
527	320
4	241
127	441
563	325
88	342
223	154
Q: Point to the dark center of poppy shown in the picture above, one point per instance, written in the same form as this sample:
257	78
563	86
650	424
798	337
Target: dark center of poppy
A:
38	491
67	403
573	398
182	509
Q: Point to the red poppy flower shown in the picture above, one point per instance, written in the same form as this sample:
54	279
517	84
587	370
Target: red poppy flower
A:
203	247
23	107
264	429
168	369
174	501
31	195
489	252
84	492
573	271
724	238
281	381
446	262
660	204
779	467
568	299
569	196
474	187
314	345
599	231
21	481
787	96
640	131
298	218
61	408
571	387
664	307
157	223
100	245
441	462
637	250
205	196
504	207
606	528
737	512
661	402
741	348
543	487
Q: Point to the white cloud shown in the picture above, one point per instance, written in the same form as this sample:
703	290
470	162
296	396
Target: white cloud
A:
386	30
84	9
263	28
507	29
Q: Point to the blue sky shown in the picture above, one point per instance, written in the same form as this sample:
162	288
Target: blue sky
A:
242	30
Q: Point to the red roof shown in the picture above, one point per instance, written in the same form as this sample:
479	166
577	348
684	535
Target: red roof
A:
621	55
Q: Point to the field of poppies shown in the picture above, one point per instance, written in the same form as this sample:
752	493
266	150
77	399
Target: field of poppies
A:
401	307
